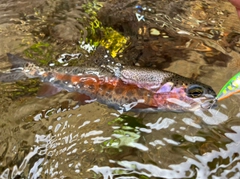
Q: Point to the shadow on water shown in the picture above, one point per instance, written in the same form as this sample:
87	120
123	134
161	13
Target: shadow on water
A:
56	138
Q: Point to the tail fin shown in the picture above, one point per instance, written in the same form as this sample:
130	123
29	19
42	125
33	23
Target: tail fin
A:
16	61
18	64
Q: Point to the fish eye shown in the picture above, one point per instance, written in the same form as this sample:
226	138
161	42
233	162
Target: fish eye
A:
194	91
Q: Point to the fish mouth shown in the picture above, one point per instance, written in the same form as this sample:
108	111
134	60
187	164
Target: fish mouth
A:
205	102
209	103
190	104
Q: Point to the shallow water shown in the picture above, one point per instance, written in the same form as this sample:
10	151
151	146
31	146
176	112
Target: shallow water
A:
56	138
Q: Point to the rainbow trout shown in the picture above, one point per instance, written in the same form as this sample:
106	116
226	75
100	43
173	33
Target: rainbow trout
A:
125	89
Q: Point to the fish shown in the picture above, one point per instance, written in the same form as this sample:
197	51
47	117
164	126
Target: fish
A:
130	88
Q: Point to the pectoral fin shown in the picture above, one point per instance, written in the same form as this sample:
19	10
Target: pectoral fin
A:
167	87
47	90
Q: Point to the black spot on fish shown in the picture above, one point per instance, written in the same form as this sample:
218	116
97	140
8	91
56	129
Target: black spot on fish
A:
75	70
140	92
119	90
81	84
134	99
108	91
129	93
104	87
121	101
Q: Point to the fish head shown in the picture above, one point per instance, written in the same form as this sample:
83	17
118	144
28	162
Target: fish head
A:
192	97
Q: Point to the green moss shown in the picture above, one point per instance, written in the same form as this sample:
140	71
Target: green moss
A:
21	88
127	135
41	52
100	35
131	121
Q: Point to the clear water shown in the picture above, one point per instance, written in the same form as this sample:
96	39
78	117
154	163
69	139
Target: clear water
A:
56	138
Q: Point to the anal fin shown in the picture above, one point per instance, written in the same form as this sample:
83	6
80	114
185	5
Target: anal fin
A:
47	90
81	98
